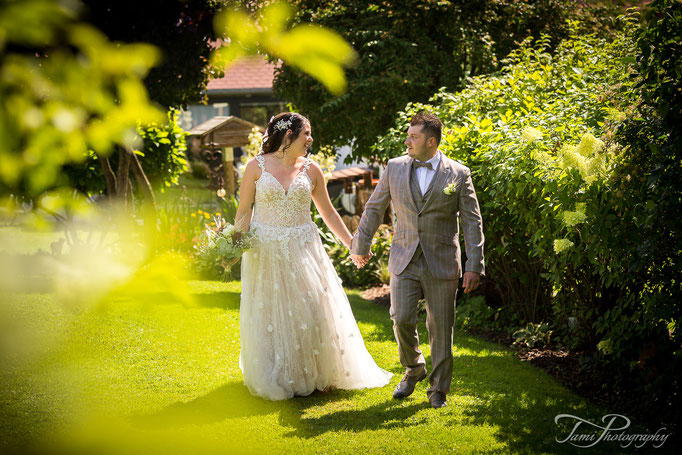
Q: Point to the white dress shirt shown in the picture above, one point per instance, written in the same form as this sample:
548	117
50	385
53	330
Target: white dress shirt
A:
425	175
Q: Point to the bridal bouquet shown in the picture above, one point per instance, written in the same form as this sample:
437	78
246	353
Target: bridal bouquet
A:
221	246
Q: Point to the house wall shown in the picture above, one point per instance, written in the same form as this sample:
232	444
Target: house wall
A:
256	108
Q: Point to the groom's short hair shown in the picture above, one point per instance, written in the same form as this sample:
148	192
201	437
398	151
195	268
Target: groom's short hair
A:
431	125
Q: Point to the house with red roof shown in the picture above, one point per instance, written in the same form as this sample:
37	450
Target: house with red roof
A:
245	92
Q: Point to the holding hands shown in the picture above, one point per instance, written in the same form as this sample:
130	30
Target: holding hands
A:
360	260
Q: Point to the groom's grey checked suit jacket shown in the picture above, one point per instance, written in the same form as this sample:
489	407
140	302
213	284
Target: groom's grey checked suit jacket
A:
428	223
435	227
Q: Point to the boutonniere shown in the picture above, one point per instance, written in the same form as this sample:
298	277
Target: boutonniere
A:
450	189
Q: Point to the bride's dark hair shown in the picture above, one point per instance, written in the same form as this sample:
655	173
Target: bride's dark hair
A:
274	138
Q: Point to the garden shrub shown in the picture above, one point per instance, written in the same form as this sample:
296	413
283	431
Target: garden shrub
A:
163	152
579	186
162	157
646	332
533	335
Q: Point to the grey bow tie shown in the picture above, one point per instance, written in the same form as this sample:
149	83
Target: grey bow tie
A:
418	164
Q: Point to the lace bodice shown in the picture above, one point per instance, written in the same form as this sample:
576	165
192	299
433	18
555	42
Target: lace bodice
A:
279	214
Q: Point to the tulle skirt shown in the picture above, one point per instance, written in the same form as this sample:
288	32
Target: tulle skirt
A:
297	330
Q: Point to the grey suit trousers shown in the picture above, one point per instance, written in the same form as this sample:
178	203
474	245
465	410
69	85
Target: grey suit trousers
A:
407	288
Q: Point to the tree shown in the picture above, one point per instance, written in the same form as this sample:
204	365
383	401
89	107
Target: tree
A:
407	51
182	30
185	31
66	90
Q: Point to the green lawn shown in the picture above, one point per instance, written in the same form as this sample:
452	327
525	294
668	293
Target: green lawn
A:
154	374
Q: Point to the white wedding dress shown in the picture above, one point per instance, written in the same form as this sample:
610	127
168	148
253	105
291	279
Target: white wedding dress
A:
297	330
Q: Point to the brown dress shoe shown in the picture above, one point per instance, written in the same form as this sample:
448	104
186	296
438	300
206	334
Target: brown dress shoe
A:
437	400
406	385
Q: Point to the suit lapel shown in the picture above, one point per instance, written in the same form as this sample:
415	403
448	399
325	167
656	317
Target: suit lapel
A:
405	176
438	180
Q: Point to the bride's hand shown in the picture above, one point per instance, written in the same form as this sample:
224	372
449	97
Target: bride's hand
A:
361	260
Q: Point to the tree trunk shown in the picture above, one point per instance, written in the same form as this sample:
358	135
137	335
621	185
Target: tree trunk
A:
123	175
142	180
109	176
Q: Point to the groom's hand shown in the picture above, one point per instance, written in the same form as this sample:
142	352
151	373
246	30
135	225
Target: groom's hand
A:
360	260
471	281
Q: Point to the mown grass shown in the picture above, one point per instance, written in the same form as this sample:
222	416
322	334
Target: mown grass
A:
157	375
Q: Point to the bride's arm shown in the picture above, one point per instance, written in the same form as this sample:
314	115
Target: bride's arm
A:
324	205
247	192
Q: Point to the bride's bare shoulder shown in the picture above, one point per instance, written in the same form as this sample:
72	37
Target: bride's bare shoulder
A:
252	169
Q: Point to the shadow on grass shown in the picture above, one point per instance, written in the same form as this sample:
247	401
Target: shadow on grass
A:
233	400
386	415
230	401
224	300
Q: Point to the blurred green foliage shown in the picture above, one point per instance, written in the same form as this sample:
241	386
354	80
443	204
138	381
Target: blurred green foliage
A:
318	51
64	89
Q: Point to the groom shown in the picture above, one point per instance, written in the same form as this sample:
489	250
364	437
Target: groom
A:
431	194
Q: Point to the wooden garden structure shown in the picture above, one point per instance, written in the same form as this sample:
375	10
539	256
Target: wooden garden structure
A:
217	139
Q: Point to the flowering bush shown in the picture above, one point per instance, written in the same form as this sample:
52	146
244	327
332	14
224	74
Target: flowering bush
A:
180	226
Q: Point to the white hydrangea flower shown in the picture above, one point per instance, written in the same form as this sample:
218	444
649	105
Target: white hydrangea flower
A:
589	145
576	217
530	134
561	245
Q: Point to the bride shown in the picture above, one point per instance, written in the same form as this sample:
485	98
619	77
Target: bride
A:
297	330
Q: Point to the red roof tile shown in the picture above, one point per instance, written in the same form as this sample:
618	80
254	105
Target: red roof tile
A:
252	72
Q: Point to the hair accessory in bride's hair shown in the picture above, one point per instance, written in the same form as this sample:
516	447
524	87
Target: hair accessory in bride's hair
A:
282	125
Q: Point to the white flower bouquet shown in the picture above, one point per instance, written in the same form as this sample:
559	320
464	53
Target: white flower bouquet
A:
221	247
